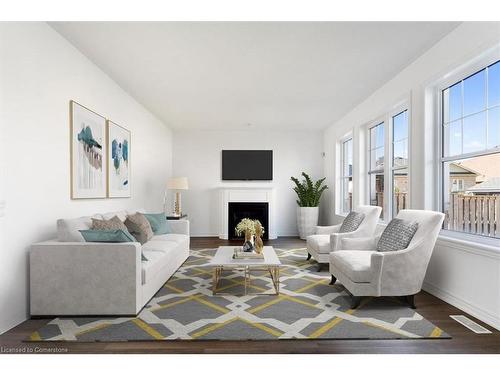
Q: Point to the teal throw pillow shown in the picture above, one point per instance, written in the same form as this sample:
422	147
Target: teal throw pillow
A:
158	223
111	235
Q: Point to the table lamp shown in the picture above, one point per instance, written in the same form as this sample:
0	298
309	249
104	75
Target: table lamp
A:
177	184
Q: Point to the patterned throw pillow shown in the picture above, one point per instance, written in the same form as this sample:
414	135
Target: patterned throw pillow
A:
139	226
351	222
397	235
111	224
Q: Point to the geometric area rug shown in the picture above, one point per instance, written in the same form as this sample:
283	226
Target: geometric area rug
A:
307	308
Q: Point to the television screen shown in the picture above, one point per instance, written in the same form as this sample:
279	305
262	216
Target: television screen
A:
247	164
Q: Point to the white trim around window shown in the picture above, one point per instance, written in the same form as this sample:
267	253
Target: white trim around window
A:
443	159
346	176
388	168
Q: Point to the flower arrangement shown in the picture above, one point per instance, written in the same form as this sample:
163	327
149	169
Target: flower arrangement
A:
250	228
246	226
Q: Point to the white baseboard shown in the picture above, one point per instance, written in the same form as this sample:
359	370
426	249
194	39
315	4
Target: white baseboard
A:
461	304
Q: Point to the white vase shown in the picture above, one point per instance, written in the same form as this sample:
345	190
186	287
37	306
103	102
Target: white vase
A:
307	219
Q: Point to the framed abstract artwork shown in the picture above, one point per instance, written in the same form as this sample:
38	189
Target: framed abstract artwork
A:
88	153
118	161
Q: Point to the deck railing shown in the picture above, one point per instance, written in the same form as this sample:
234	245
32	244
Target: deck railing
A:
400	201
477	214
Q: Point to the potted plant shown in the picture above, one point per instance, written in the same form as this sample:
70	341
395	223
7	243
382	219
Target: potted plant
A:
308	194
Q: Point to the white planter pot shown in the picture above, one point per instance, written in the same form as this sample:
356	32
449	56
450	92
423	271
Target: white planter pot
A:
307	219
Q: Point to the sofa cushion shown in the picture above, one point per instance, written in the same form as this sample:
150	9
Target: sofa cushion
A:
108	224
156	261
122	215
352	222
158	223
397	235
319	243
356	265
162	246
68	230
139	226
175	237
134	211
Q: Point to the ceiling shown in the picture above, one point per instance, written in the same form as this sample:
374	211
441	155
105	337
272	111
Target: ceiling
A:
271	75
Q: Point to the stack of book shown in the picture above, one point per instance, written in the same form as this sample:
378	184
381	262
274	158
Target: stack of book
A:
239	254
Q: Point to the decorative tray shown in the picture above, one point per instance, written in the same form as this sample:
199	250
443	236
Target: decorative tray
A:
239	254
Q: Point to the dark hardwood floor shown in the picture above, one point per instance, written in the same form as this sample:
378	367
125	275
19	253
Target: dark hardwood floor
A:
432	308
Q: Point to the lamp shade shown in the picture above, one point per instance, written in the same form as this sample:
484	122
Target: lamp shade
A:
177	183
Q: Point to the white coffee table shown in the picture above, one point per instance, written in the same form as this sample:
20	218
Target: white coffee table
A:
223	259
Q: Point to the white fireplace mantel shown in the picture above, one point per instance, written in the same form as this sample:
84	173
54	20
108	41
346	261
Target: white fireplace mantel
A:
247	194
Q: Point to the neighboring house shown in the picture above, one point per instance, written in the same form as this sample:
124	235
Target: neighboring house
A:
487	165
488	187
462	177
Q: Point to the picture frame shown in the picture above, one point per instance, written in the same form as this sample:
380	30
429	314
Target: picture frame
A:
88	151
119	161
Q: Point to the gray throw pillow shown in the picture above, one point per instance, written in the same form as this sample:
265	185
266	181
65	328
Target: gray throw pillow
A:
139	227
112	224
351	222
397	235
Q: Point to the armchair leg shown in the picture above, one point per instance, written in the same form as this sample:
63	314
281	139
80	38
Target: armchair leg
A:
308	256
355	301
411	301
334	279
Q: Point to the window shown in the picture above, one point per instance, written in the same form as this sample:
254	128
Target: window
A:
376	166
346	176
470	153
399	161
457	185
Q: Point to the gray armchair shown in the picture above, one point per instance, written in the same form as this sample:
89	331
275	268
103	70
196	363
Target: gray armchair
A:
363	271
327	238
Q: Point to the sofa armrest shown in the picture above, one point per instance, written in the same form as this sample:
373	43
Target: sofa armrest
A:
402	272
84	278
179	226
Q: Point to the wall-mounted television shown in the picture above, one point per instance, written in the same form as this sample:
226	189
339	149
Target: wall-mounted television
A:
247	165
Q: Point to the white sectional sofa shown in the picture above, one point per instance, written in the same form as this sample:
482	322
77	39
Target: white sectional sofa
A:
69	276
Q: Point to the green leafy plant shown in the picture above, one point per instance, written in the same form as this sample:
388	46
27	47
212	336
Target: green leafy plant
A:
308	192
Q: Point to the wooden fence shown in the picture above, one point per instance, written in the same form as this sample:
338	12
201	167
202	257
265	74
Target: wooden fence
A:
478	214
400	201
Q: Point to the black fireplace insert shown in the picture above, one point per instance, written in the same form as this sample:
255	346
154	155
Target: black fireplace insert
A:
251	210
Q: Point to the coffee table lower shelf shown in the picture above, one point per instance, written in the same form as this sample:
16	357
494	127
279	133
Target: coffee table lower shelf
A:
274	271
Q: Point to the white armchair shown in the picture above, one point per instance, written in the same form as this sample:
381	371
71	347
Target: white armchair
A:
327	238
364	271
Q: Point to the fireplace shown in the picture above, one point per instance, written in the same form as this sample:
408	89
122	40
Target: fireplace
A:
252	210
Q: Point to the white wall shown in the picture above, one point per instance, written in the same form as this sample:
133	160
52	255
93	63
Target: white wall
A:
460	274
197	155
39	73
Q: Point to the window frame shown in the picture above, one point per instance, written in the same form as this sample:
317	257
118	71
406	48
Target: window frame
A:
342	177
387	118
459	75
369	171
393	168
